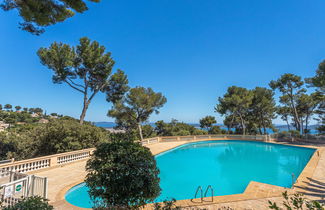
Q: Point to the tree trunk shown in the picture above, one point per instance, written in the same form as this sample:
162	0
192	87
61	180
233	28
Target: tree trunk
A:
84	110
140	131
242	124
263	124
306	126
288	124
231	124
296	117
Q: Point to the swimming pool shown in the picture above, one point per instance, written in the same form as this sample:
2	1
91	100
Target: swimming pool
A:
228	166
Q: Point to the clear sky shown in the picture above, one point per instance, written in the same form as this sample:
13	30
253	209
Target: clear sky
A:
190	50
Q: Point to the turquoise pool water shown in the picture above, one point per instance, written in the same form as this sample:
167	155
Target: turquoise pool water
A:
228	166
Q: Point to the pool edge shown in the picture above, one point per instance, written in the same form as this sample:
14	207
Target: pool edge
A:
308	171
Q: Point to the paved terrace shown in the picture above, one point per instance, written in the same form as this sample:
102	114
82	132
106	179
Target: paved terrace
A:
311	182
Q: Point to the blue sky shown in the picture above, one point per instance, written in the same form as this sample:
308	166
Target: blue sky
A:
190	50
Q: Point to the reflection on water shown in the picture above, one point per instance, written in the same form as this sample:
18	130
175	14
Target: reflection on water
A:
228	166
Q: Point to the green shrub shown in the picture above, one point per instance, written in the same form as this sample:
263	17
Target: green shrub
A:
148	131
31	203
67	135
297	201
59	135
294	133
122	174
166	205
176	128
199	132
215	130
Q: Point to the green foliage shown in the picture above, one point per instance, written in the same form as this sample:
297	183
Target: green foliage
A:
66	135
38	14
136	107
36	110
199	132
15	117
291	87
318	80
297	201
130	136
262	110
86	68
207	122
236	102
284	112
166	205
216	130
148	131
122	174
8	107
307	106
31	203
176	128
59	135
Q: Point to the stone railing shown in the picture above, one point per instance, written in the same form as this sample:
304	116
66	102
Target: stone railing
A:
204	137
28	165
46	161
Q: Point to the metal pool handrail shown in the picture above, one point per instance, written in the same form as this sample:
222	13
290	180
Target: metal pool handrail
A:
199	189
212	192
293	177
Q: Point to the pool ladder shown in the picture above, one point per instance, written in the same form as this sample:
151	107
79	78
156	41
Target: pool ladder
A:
200	190
293	178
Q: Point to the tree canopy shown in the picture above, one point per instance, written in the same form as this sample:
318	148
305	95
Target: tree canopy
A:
318	80
122	174
8	107
291	87
207	122
262	109
236	102
136	107
38	14
86	68
176	128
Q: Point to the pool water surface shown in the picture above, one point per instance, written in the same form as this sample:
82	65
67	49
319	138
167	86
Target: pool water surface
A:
228	166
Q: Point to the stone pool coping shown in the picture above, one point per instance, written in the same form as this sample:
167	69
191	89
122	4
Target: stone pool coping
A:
254	190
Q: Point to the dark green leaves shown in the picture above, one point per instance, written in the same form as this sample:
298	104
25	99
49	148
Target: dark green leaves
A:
318	80
246	109
60	58
118	86
207	122
136	107
122	174
31	203
86	68
38	14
